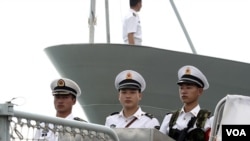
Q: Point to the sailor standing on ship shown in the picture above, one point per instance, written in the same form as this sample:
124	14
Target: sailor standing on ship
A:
190	123
65	92
132	33
130	85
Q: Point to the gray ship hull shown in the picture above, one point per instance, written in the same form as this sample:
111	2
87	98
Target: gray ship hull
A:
95	66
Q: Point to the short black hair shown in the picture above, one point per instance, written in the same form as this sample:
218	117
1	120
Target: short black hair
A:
190	84
134	2
70	94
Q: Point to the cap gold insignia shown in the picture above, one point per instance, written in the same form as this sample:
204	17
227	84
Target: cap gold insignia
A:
188	71
60	83
129	75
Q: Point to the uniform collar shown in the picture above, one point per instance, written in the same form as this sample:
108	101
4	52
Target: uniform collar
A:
194	111
133	11
137	114
70	116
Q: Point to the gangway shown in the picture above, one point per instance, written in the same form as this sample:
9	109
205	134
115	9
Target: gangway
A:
23	126
230	110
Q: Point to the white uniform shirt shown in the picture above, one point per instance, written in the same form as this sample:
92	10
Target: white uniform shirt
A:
183	120
131	24
142	121
49	135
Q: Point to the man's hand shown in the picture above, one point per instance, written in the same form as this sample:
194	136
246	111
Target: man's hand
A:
131	40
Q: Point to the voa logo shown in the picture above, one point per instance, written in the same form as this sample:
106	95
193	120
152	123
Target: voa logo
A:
236	132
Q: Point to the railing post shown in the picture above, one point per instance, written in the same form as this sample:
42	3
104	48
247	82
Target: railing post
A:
6	110
92	21
183	26
107	21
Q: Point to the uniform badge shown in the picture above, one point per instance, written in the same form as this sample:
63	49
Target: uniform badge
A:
188	71
129	75
60	83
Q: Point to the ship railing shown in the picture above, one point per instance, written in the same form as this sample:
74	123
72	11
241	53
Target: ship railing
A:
232	109
19	126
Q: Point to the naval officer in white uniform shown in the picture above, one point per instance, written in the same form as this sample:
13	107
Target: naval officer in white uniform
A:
65	92
132	33
191	118
130	85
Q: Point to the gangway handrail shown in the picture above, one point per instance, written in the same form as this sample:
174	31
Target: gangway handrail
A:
217	118
7	111
65	122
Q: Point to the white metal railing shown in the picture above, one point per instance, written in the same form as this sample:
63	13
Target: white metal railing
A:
23	126
217	118
230	110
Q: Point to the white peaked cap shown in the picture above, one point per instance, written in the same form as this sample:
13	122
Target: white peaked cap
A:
65	85
191	74
130	79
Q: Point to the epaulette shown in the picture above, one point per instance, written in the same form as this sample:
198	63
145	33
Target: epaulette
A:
169	113
157	127
149	115
114	113
79	119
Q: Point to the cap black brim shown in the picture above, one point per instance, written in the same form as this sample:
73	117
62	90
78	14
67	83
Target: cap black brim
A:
180	82
129	87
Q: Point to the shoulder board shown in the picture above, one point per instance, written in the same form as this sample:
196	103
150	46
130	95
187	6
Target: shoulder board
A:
115	113
149	115
169	113
79	119
157	127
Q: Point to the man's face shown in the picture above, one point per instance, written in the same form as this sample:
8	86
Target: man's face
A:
139	5
189	93
64	102
129	98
